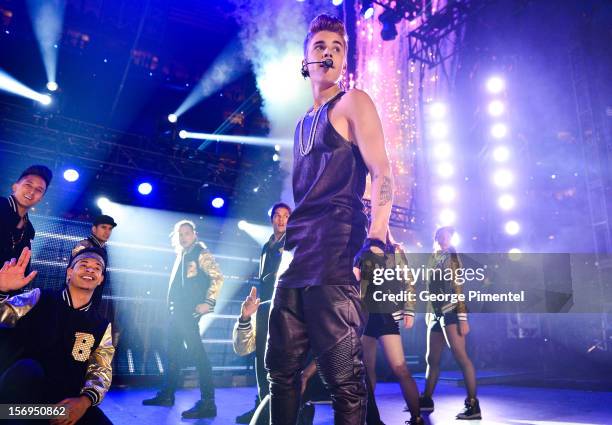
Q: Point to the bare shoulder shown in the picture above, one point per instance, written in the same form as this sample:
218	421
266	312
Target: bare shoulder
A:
357	102
357	97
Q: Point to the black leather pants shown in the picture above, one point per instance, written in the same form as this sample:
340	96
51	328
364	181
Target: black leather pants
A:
328	320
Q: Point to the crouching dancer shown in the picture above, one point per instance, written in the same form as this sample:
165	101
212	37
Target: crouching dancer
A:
68	347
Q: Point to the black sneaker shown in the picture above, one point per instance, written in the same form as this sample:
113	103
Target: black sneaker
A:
246	417
202	409
161	399
416	421
426	404
471	410
306	415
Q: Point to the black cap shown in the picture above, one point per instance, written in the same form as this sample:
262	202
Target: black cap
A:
105	219
94	252
41	171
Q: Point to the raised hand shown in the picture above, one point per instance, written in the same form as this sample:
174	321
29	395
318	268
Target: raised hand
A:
250	305
12	273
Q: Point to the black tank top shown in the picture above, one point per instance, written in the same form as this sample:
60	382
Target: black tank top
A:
328	226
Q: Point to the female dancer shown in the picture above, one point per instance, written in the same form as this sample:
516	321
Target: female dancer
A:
447	322
383	327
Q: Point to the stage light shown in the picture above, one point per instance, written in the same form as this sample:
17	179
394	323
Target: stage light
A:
172	118
256	189
496	108
103	203
248	140
446	170
442	150
337	2
506	202
437	110
218	202
439	130
45	100
512	227
259	233
145	188
277	148
11	85
52	86
71	175
367	9
501	154
495	85
503	178
447	217
446	194
499	130
275	157
47	21
227	67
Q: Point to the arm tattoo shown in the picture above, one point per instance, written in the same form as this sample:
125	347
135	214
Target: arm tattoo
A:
385	194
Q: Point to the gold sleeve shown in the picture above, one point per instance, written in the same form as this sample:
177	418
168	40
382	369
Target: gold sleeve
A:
209	266
99	369
243	336
14	308
455	263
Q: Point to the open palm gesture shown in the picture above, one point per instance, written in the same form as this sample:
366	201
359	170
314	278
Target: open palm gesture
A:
12	273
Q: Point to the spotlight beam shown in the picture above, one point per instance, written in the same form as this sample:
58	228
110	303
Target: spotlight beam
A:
47	21
228	66
249	140
11	85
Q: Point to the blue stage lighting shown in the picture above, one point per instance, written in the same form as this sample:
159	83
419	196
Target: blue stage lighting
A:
145	188
71	175
218	202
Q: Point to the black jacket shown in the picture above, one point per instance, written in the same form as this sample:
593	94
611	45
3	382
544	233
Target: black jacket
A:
13	240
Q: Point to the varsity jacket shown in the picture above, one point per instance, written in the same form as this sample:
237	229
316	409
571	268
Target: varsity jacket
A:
195	279
74	346
445	261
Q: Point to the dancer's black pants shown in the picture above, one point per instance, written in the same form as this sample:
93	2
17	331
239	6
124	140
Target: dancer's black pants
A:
25	382
187	331
328	320
261	336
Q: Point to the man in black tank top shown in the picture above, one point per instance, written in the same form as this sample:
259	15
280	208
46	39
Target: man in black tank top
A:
316	304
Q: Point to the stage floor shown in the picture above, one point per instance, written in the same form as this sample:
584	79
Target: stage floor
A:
501	404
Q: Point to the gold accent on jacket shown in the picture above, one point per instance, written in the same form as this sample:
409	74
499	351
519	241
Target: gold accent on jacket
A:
99	368
14	308
244	337
209	266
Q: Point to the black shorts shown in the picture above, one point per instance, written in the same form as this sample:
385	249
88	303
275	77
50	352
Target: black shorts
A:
446	319
380	324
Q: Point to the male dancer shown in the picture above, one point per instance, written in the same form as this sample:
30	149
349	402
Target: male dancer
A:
16	233
16	230
68	349
268	267
316	303
101	231
195	284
